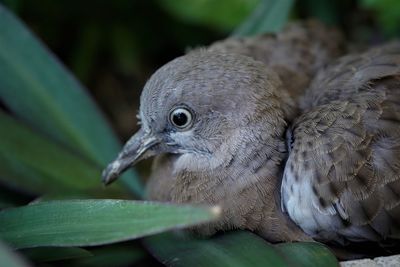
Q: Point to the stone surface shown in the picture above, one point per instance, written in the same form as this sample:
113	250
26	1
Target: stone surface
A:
390	261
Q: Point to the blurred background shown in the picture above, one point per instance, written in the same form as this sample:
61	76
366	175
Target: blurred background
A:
114	46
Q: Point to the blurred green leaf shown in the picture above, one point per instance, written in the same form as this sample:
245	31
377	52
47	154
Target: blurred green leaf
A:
326	11
240	248
38	89
88	46
14	5
48	254
387	14
93	222
35	164
41	91
224	15
114	256
230	249
5	204
307	254
268	16
8	258
125	49
62	196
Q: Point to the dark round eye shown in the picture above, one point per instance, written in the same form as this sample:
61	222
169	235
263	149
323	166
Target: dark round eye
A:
181	117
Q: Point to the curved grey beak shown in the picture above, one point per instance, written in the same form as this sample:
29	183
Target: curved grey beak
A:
136	149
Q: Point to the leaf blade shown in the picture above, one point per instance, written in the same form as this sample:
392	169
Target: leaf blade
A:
210	13
305	254
39	89
230	249
35	164
268	16
93	222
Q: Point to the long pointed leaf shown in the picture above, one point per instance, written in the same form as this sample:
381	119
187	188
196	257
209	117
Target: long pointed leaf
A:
93	222
238	248
38	89
308	254
268	16
230	249
328	12
35	164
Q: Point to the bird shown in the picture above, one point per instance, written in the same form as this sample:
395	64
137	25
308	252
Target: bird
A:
288	160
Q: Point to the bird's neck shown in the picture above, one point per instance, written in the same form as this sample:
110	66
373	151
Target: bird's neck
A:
244	178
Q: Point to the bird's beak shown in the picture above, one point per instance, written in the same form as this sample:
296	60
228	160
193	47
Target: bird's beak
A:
136	149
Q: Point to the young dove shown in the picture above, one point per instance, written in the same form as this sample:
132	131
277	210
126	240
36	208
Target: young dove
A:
217	121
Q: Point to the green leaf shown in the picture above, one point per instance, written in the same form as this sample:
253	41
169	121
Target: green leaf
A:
5	204
328	12
387	14
269	16
84	54
230	249
35	164
9	258
38	89
111	256
93	222
223	15
41	91
48	254
14	5
238	248
308	254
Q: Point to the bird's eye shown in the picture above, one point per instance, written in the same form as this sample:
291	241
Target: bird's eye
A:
181	117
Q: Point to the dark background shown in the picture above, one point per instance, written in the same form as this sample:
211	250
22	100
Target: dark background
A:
114	46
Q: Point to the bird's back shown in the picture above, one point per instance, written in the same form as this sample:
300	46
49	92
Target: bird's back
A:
295	54
342	177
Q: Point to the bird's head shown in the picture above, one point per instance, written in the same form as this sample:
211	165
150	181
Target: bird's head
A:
191	105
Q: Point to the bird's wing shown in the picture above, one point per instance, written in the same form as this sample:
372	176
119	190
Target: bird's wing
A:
352	74
342	177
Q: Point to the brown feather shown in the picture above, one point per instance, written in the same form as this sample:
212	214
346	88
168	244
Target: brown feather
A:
356	148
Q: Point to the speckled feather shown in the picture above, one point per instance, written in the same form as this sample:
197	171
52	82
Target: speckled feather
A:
342	178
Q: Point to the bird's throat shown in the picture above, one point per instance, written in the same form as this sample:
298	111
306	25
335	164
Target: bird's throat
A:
245	185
